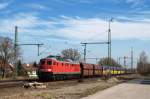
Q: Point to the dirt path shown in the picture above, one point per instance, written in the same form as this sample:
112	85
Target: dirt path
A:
130	90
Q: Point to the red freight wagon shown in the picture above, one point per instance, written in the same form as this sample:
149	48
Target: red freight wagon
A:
98	70
87	70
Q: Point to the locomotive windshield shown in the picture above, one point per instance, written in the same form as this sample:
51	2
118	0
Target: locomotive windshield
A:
42	62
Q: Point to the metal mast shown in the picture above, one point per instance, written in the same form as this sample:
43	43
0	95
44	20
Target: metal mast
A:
16	44
109	41
38	45
85	45
131	58
15	50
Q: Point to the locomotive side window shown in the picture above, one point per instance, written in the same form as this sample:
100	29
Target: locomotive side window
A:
49	62
67	64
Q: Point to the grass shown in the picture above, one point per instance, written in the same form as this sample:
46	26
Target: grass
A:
44	95
90	91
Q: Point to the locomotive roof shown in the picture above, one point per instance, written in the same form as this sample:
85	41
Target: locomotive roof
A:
64	60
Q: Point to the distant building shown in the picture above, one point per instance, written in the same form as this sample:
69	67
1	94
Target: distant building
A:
8	68
31	70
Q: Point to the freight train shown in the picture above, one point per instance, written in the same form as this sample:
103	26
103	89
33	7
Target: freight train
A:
55	68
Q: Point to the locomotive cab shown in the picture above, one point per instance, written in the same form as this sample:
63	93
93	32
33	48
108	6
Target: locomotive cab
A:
45	69
46	65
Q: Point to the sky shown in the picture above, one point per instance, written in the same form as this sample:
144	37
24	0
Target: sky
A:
61	24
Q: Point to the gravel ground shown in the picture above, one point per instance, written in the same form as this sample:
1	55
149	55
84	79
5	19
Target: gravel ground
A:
60	89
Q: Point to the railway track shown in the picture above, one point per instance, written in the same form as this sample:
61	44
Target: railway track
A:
11	84
14	83
20	83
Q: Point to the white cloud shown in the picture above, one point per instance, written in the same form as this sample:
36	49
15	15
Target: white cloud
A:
136	3
74	2
131	20
3	5
93	29
37	6
133	3
128	30
81	29
19	20
23	20
147	12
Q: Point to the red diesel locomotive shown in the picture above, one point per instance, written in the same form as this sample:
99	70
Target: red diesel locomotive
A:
57	69
52	68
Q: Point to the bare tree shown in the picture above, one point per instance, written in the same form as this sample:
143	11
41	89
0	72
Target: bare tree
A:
105	61
72	54
6	54
143	57
143	66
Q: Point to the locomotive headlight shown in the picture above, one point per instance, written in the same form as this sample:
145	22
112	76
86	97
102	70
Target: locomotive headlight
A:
49	70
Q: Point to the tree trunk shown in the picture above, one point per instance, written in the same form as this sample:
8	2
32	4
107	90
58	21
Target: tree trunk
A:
3	69
3	73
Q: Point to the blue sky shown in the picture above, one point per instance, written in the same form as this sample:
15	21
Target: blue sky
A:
61	24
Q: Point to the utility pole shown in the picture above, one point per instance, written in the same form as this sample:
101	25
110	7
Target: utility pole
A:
109	41
119	60
16	44
85	45
131	58
125	62
15	51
